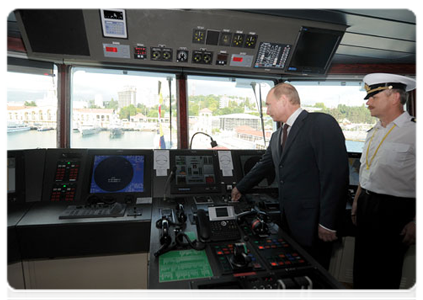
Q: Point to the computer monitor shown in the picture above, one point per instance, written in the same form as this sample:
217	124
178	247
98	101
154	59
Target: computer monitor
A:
196	172
354	166
15	176
314	50
11	175
245	160
117	172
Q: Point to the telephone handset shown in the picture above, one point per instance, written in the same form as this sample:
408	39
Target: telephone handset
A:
219	225
203	226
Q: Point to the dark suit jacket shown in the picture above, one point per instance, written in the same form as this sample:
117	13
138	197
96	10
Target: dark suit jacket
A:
312	172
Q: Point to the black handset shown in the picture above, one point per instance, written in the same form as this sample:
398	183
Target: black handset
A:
165	239
180	214
203	225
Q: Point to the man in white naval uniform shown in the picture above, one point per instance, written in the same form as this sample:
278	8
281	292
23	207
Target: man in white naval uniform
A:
384	208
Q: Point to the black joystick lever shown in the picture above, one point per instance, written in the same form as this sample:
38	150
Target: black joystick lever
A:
240	259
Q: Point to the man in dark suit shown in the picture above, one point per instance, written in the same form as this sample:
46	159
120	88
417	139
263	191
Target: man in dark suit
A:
311	166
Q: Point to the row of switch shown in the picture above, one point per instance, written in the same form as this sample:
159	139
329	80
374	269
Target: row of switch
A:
198	56
229	39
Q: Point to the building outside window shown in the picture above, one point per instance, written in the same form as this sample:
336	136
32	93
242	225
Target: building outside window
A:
31	112
123	109
227	110
344	100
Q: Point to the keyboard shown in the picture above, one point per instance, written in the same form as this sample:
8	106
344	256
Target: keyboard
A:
224	230
94	211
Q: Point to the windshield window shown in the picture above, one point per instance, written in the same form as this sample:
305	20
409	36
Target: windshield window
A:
123	109
31	111
231	111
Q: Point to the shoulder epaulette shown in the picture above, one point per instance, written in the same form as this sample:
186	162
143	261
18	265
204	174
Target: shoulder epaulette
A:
413	120
370	129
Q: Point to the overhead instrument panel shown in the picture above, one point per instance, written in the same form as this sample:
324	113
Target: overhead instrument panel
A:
217	40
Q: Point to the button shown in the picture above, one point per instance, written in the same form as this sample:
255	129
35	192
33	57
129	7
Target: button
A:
281	181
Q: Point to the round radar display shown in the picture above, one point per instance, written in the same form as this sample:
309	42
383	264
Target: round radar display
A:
113	174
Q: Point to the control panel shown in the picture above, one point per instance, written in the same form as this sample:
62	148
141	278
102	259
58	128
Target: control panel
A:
67	170
64	174
219	40
226	246
63	192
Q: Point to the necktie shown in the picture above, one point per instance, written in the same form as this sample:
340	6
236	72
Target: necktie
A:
284	134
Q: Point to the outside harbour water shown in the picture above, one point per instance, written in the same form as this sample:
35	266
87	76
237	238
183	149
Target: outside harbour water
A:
47	139
129	140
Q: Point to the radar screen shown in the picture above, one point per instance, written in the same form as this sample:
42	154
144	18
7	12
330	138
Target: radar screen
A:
117	174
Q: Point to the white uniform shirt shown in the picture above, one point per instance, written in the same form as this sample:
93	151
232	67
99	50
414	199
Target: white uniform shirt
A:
393	169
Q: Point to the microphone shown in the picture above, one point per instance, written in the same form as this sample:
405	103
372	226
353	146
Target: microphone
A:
169	179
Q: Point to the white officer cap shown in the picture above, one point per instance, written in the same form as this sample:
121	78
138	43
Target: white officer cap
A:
377	82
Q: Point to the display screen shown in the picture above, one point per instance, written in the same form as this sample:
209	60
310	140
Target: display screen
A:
221	212
113	14
11	175
117	174
195	172
314	50
354	166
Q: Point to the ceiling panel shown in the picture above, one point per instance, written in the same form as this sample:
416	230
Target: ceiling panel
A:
402	15
368	55
359	40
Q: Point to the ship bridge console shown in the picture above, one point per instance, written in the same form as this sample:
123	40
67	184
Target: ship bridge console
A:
172	207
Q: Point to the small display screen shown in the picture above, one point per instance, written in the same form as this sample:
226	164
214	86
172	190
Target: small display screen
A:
194	170
354	164
309	51
271	55
113	14
118	174
314	50
11	175
221	212
114	23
